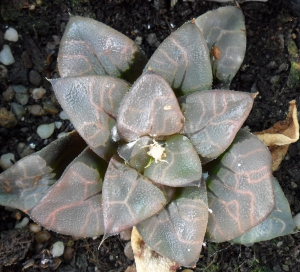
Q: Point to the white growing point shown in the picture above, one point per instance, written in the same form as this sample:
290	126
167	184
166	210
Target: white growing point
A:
156	151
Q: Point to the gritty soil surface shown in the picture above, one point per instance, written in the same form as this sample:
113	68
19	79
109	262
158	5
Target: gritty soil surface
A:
266	68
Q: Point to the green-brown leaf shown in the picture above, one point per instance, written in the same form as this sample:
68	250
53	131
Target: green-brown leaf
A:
177	232
150	108
25	183
92	104
128	197
212	119
183	60
240	188
73	206
89	47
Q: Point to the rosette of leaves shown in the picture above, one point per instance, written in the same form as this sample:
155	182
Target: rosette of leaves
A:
165	154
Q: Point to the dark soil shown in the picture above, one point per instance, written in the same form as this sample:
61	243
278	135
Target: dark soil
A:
265	69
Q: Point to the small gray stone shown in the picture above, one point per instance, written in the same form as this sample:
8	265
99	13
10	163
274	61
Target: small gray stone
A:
282	67
24	150
152	40
35	78
7	118
138	40
275	79
38	93
36	110
9	94
3	71
21	94
7	160
128	251
20	89
22	98
50	108
18	110
126	234
272	65
297	220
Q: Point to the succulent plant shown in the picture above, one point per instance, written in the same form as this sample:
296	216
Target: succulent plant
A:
166	154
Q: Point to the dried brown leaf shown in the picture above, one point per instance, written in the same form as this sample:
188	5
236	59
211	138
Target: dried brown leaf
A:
281	135
283	132
146	259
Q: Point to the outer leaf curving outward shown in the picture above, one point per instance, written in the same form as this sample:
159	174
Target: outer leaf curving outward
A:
73	206
181	166
240	188
212	119
225	34
24	184
183	60
280	222
177	232
128	197
150	108
89	47
92	103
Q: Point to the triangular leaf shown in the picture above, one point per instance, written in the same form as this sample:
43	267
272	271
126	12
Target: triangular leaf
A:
183	60
149	108
89	47
180	167
73	206
128	197
225	34
92	104
177	232
240	188
212	119
24	184
280	222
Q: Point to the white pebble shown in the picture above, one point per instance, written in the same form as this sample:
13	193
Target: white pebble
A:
7	160
45	130
63	115
32	145
57	249
33	227
58	124
297	220
6	56
11	35
23	223
38	93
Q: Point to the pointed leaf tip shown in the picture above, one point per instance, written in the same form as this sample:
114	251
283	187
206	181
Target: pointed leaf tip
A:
27	181
183	60
224	31
177	232
89	47
92	103
212	119
149	108
128	197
